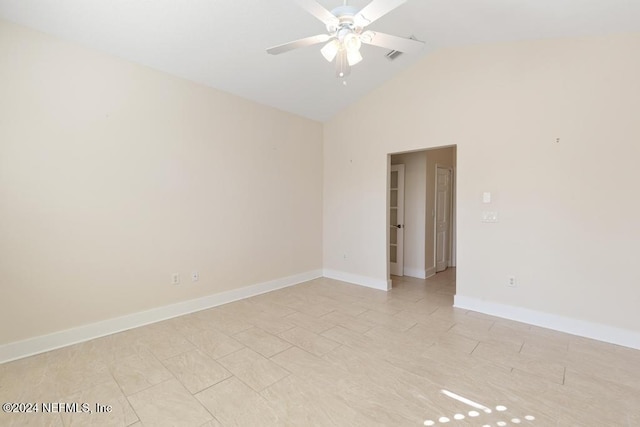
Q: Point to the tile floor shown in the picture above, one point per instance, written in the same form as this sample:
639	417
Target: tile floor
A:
326	353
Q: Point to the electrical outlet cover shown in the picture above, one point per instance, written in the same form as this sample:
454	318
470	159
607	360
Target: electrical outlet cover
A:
489	216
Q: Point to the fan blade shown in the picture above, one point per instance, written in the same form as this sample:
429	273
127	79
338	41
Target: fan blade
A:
393	42
318	11
375	10
307	41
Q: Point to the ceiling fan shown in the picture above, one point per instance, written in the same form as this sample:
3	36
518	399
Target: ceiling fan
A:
346	33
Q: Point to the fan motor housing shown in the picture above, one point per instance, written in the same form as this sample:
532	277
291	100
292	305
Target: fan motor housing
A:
345	11
345	15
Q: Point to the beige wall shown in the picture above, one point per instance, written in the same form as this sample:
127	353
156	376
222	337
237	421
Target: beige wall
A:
114	176
568	211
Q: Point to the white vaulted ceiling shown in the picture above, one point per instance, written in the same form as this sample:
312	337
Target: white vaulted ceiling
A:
221	43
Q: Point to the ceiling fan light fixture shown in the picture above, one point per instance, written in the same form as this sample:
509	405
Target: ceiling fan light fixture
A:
367	36
345	33
353	57
330	50
352	42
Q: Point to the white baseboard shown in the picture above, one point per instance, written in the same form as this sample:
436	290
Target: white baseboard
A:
596	331
418	273
31	346
369	282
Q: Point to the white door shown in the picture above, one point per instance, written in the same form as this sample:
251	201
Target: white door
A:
396	220
443	218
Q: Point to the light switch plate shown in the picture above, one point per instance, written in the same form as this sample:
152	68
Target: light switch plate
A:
486	197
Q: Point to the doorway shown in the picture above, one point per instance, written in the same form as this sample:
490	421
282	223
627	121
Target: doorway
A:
427	241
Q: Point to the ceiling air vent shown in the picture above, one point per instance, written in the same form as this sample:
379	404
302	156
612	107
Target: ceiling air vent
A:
393	54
